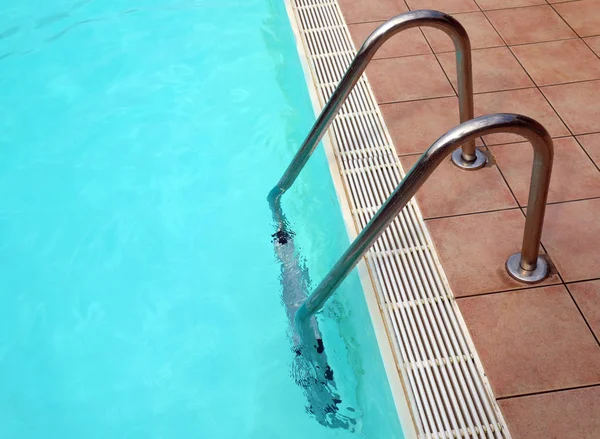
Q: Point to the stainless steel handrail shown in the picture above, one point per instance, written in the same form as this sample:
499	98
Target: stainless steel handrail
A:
470	158
525	266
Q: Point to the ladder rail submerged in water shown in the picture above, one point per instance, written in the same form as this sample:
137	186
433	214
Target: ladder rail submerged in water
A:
468	158
526	266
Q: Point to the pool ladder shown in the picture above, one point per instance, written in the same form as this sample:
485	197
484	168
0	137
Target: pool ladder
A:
526	266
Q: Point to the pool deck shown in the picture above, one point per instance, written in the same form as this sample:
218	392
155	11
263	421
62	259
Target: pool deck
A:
539	346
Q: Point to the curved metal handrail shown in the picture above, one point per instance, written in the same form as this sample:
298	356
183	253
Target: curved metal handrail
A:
525	266
423	18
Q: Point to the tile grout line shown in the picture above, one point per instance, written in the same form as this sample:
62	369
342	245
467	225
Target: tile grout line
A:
513	290
566	136
589	326
547	392
558	84
456	215
516	7
429	98
504	44
544	41
583	280
495	145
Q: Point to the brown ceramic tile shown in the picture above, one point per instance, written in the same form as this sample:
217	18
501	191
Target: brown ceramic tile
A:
451	191
374	10
415	125
582	16
408	78
529	25
408	42
574	176
493	69
528	340
505	4
569	414
557	62
474	248
572	238
528	102
587	296
577	104
594	43
591	144
481	33
447	6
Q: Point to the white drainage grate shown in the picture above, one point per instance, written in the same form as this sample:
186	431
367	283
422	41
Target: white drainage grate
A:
449	394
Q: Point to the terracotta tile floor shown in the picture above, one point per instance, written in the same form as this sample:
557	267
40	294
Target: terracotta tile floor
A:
571	414
559	62
373	10
409	42
577	104
414	77
469	192
497	67
529	101
574	175
481	33
474	248
529	339
413	133
449	6
539	345
534	24
488	5
583	16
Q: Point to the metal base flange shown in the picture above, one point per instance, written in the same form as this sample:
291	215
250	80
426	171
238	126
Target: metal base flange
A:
479	162
513	266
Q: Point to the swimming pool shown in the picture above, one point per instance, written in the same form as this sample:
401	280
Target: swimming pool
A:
140	291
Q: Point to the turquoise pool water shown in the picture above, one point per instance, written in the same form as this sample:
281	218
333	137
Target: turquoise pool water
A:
140	296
